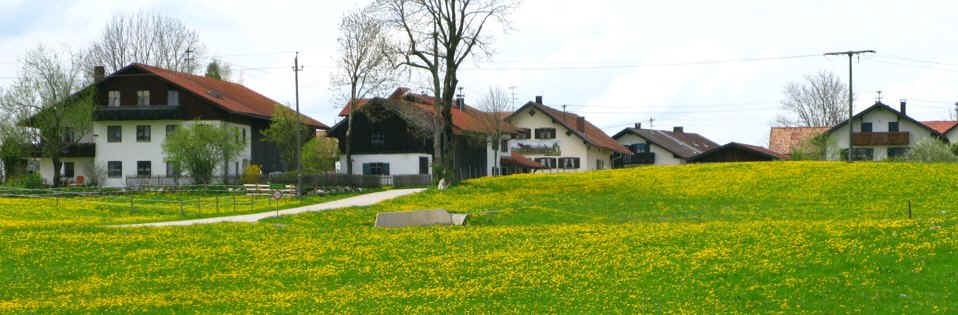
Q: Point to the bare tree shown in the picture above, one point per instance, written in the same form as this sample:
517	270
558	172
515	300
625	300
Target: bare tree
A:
495	106
146	38
50	98
365	66
819	101
437	36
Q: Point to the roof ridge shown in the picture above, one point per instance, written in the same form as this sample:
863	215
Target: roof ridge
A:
668	134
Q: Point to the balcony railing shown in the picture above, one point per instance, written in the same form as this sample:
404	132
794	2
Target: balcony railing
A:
640	158
880	138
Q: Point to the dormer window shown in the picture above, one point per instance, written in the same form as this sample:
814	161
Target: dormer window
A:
143	98
113	99
172	97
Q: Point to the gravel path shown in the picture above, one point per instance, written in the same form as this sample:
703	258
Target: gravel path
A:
361	200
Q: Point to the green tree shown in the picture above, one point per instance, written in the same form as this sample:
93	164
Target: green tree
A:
198	148
49	98
320	155
13	150
219	70
929	150
282	133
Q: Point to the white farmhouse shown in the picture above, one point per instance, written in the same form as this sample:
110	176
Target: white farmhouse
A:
879	132
661	147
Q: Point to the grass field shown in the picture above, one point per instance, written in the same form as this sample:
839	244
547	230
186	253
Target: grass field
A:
755	237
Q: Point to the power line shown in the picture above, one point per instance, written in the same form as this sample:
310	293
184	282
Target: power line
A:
624	66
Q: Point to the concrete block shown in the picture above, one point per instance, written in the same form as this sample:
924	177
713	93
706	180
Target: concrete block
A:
418	218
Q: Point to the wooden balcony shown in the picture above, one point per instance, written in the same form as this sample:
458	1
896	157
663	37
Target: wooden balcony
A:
639	158
879	138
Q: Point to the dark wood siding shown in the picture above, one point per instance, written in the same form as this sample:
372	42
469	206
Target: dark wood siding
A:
128	82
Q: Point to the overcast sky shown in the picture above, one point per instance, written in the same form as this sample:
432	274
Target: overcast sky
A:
615	62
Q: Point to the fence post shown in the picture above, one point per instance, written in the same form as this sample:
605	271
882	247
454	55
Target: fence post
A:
217	203
131	204
234	202
181	207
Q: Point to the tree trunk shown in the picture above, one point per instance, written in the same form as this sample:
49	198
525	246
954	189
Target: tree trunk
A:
349	139
56	170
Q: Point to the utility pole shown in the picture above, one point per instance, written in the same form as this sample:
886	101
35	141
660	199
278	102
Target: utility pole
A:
189	60
299	131
850	53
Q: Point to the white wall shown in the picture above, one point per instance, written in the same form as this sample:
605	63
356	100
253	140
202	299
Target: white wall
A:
129	151
399	163
662	156
82	166
838	139
491	160
570	145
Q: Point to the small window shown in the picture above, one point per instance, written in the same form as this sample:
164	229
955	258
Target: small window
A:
173	97
170	129
569	163
245	163
892	126
143	133
68	170
524	133
546	162
599	164
113	98
545	133
639	148
172	170
897	152
236	168
423	165
144	169
143	98
244	135
114	134
504	146
866	127
377	138
375	168
861	154
68	135
114	169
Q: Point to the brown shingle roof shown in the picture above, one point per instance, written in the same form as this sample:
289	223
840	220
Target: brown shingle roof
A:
783	140
590	133
230	96
467	119
738	146
683	144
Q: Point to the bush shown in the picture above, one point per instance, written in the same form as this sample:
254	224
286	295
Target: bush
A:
929	150
252	174
30	180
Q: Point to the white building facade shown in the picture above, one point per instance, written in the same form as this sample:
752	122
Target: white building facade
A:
878	133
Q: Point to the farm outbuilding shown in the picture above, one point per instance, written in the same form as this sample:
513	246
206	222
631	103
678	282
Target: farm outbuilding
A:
736	152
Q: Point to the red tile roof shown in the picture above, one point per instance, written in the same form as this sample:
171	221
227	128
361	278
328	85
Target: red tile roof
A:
230	96
468	119
941	126
517	159
783	140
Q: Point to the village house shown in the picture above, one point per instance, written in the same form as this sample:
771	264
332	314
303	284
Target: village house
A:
660	147
560	141
880	132
137	106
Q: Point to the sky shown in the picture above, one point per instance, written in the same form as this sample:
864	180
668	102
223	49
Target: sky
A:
717	68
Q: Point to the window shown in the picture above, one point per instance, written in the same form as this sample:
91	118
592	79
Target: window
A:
892	126
68	135
545	133
375	168
143	98
569	163
244	134
896	152
236	134
423	165
504	146
599	164
866	127
114	134
173	97
144	169
861	154
143	133
523	133
546	162
377	138
639	148
245	163
236	168
113	99
170	129
172	170
68	169
114	169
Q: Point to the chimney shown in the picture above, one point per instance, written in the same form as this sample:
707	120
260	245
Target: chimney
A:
903	108
539	99
98	74
580	124
460	103
638	125
678	129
